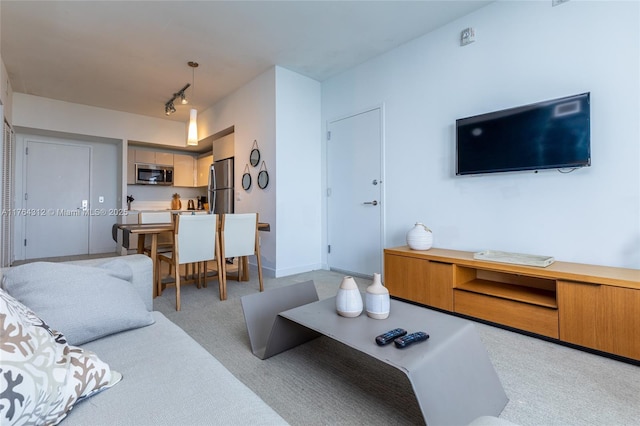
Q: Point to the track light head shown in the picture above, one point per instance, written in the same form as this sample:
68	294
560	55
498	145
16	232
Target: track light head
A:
169	107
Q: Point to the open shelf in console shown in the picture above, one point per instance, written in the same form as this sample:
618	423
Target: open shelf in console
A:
519	288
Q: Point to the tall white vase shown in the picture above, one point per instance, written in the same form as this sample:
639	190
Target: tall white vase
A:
349	299
377	299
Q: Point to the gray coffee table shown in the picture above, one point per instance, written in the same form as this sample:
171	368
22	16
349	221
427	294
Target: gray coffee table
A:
451	375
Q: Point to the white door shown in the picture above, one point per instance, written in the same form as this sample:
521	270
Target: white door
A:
355	195
57	185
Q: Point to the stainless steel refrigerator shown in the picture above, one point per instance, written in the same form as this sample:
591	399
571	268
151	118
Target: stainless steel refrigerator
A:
220	191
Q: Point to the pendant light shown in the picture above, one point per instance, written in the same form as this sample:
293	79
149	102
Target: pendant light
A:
192	134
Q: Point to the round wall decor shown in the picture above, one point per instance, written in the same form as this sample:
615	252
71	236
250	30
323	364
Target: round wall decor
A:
254	157
263	176
263	179
246	178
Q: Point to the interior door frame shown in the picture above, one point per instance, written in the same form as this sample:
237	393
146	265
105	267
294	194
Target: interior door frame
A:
381	108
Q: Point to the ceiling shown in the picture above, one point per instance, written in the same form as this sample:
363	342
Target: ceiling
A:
132	56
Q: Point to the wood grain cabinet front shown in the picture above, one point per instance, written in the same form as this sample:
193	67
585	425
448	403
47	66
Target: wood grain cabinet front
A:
422	281
601	317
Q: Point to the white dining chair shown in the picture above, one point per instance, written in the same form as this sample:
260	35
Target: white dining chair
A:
165	240
239	238
195	242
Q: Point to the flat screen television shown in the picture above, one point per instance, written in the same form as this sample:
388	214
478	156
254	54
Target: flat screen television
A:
553	134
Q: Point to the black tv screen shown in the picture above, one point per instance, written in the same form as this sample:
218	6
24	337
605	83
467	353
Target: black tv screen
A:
552	134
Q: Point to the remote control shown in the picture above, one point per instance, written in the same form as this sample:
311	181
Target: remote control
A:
389	336
404	341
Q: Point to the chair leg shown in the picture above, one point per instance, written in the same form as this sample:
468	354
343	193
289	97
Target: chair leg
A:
177	289
243	268
204	273
259	261
158	282
223	279
195	274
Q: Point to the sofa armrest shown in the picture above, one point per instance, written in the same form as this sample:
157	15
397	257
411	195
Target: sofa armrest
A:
142	268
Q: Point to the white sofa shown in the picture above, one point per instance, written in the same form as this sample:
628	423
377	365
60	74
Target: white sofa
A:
168	378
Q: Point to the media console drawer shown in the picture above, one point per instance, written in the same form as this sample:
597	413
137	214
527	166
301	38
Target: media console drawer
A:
523	316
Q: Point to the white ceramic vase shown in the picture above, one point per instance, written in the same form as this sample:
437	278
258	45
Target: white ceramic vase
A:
420	237
349	299
377	299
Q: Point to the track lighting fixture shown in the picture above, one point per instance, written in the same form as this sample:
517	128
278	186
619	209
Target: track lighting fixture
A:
169	107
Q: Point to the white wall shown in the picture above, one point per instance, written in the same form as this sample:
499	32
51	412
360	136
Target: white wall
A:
47	114
251	111
298	174
526	51
6	93
279	109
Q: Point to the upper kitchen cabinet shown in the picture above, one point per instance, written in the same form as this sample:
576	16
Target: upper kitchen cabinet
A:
131	166
183	170
204	163
154	157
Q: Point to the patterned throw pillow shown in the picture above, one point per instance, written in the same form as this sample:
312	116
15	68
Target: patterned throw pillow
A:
41	376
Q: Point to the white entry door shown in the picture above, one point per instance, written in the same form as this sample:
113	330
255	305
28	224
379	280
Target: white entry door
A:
355	195
57	185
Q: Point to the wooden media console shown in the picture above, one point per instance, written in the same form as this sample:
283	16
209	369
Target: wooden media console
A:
595	307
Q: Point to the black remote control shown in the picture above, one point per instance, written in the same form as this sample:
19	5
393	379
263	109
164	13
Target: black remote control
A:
404	341
389	336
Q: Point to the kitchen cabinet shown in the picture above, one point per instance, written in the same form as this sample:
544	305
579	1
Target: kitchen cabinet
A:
131	166
154	157
204	163
183	170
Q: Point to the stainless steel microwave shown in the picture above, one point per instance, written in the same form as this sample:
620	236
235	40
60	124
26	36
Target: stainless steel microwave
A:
153	174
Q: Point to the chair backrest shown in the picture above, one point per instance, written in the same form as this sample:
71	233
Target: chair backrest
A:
239	232
195	238
154	217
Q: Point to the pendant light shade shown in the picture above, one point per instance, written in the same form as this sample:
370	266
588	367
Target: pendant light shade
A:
192	134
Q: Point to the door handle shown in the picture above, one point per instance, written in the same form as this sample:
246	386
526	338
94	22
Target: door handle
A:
374	202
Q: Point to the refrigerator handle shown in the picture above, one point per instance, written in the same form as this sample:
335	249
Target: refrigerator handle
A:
212	187
211	195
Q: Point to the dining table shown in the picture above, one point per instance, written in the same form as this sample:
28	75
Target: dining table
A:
153	229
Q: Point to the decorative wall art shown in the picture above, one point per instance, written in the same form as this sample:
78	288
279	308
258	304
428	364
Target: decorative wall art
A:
246	178
254	157
263	176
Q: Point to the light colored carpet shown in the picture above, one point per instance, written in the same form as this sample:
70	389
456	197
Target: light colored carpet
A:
325	383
